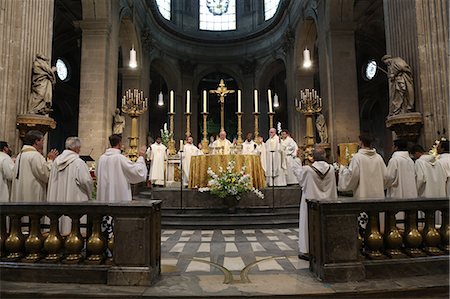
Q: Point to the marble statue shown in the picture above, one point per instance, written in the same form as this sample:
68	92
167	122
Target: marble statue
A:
43	79
321	126
401	85
118	122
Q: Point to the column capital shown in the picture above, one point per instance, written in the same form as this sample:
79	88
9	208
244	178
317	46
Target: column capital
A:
94	27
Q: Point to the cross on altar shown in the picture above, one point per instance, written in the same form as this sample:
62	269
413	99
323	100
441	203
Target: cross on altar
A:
222	91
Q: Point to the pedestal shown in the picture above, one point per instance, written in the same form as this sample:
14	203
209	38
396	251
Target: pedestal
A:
406	126
28	122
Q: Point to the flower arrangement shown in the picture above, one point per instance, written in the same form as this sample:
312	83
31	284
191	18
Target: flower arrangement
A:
165	135
228	183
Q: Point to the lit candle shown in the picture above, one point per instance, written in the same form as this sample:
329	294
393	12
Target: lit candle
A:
181	145
123	101
171	102
239	101
188	101
320	102
269	95
256	101
296	102
204	101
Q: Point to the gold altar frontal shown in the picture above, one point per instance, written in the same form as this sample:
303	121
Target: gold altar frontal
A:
198	176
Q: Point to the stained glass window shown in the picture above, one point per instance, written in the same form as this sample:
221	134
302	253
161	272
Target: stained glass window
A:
217	15
164	8
270	8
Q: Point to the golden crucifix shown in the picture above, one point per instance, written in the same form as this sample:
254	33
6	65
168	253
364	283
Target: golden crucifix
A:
222	91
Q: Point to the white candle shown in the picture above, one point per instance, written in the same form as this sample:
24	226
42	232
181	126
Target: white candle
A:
296	102
171	102
123	101
181	145
188	101
204	101
256	101
269	95
239	101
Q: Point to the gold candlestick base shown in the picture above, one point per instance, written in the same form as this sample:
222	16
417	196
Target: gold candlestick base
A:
271	114
256	116
188	124
171	144
239	128
205	147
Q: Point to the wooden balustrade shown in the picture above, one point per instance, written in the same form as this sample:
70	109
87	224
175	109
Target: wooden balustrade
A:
339	253
134	247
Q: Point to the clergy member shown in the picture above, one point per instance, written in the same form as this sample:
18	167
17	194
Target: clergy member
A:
32	170
401	179
275	164
317	182
70	180
366	174
444	161
249	146
158	157
189	150
115	172
261	151
222	145
6	171
289	148
430	177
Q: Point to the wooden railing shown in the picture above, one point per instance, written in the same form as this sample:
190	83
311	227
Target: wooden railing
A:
339	252
131	255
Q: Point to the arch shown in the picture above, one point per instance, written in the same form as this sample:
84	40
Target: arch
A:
168	71
305	37
216	69
96	9
128	38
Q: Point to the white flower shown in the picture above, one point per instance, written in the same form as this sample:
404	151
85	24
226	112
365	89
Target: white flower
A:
205	189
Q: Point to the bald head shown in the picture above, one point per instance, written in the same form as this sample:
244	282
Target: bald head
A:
319	154
222	135
272	132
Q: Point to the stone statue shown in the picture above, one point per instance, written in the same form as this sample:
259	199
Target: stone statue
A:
401	85
321	126
118	122
43	79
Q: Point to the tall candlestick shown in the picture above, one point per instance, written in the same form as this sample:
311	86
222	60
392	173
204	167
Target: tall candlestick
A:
188	101
204	102
256	101
171	102
269	95
181	145
239	109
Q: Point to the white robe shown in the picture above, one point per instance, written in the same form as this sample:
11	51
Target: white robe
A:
314	186
249	148
366	175
6	176
189	151
115	173
261	151
221	147
444	161
401	179
430	177
33	172
158	157
279	164
289	147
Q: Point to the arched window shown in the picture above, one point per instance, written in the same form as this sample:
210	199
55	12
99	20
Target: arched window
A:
164	8
217	15
270	8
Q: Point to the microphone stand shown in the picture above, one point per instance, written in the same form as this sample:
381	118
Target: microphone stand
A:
181	185
273	184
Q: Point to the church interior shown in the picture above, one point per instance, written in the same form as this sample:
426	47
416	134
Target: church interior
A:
200	90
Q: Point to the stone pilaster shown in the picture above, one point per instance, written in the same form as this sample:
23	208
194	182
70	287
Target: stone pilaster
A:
417	31
26	28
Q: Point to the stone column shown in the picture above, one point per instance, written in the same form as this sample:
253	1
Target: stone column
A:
97	85
417	31
26	28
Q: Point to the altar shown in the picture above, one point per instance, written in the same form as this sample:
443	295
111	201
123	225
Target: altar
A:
198	176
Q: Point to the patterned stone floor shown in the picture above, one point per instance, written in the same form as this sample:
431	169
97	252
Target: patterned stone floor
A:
206	251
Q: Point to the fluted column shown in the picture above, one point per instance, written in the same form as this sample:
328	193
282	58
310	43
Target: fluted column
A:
26	28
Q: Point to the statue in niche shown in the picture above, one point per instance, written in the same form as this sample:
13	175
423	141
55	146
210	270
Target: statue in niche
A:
401	85
43	79
321	127
118	122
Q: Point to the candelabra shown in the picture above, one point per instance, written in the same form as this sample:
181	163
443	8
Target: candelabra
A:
134	104
239	128
205	148
171	143
188	124
271	114
256	115
309	104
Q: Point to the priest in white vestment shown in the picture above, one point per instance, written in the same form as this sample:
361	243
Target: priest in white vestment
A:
32	170
289	147
317	182
221	145
275	164
158	159
189	151
366	174
249	146
444	161
70	180
401	179
6	171
261	151
115	172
